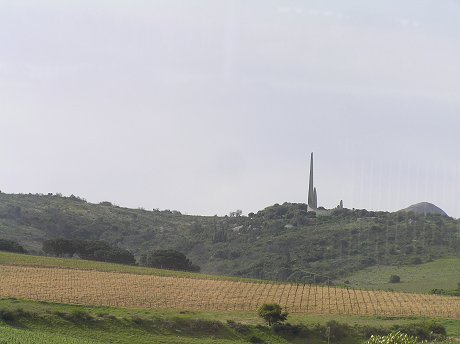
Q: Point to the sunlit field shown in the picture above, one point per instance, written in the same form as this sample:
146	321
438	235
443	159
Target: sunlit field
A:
114	289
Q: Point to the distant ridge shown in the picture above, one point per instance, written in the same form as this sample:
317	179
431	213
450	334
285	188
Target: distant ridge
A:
425	208
261	245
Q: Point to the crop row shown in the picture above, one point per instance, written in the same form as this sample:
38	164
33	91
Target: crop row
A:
147	291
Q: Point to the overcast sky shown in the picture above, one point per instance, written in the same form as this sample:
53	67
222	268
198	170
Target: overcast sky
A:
211	106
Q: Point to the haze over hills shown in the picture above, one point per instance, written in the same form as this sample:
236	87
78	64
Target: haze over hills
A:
280	242
217	107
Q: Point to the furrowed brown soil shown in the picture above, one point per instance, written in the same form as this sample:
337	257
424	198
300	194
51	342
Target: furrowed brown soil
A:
146	291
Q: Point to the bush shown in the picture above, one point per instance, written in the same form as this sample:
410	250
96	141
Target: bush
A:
168	259
393	338
337	330
287	329
256	340
436	291
271	313
395	279
106	203
414	330
7	316
423	330
138	320
91	250
11	246
368	331
436	328
80	315
238	327
416	261
13	315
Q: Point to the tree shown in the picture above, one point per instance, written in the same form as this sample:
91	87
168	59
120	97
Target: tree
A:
271	313
59	247
168	259
91	250
395	279
115	255
11	246
236	213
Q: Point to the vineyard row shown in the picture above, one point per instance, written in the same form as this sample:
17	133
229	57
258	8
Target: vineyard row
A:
145	291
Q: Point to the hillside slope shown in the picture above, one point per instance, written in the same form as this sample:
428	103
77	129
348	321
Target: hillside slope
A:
49	323
281	242
425	208
439	274
154	290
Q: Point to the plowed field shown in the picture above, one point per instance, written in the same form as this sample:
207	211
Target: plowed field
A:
146	291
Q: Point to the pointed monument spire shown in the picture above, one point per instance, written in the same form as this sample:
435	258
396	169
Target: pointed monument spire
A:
310	186
315	199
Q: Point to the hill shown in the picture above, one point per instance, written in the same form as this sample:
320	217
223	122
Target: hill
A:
282	242
439	274
425	208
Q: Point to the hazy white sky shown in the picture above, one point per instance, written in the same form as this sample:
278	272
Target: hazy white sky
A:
211	106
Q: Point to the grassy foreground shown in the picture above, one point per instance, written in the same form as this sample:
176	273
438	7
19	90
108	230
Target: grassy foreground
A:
39	323
442	274
10	335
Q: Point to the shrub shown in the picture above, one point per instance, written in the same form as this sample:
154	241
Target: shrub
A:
79	315
416	261
393	338
368	331
395	279
256	340
271	313
13	315
337	330
106	203
287	329
7	316
61	314
137	320
238	327
423	330
11	246
86	249
436	328
168	259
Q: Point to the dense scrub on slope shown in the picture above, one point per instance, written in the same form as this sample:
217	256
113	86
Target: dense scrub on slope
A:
281	242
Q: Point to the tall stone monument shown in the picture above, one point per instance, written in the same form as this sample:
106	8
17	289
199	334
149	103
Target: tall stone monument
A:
312	195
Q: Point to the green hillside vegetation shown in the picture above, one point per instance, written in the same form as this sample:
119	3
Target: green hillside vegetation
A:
11	246
39	323
90	250
282	242
439	274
